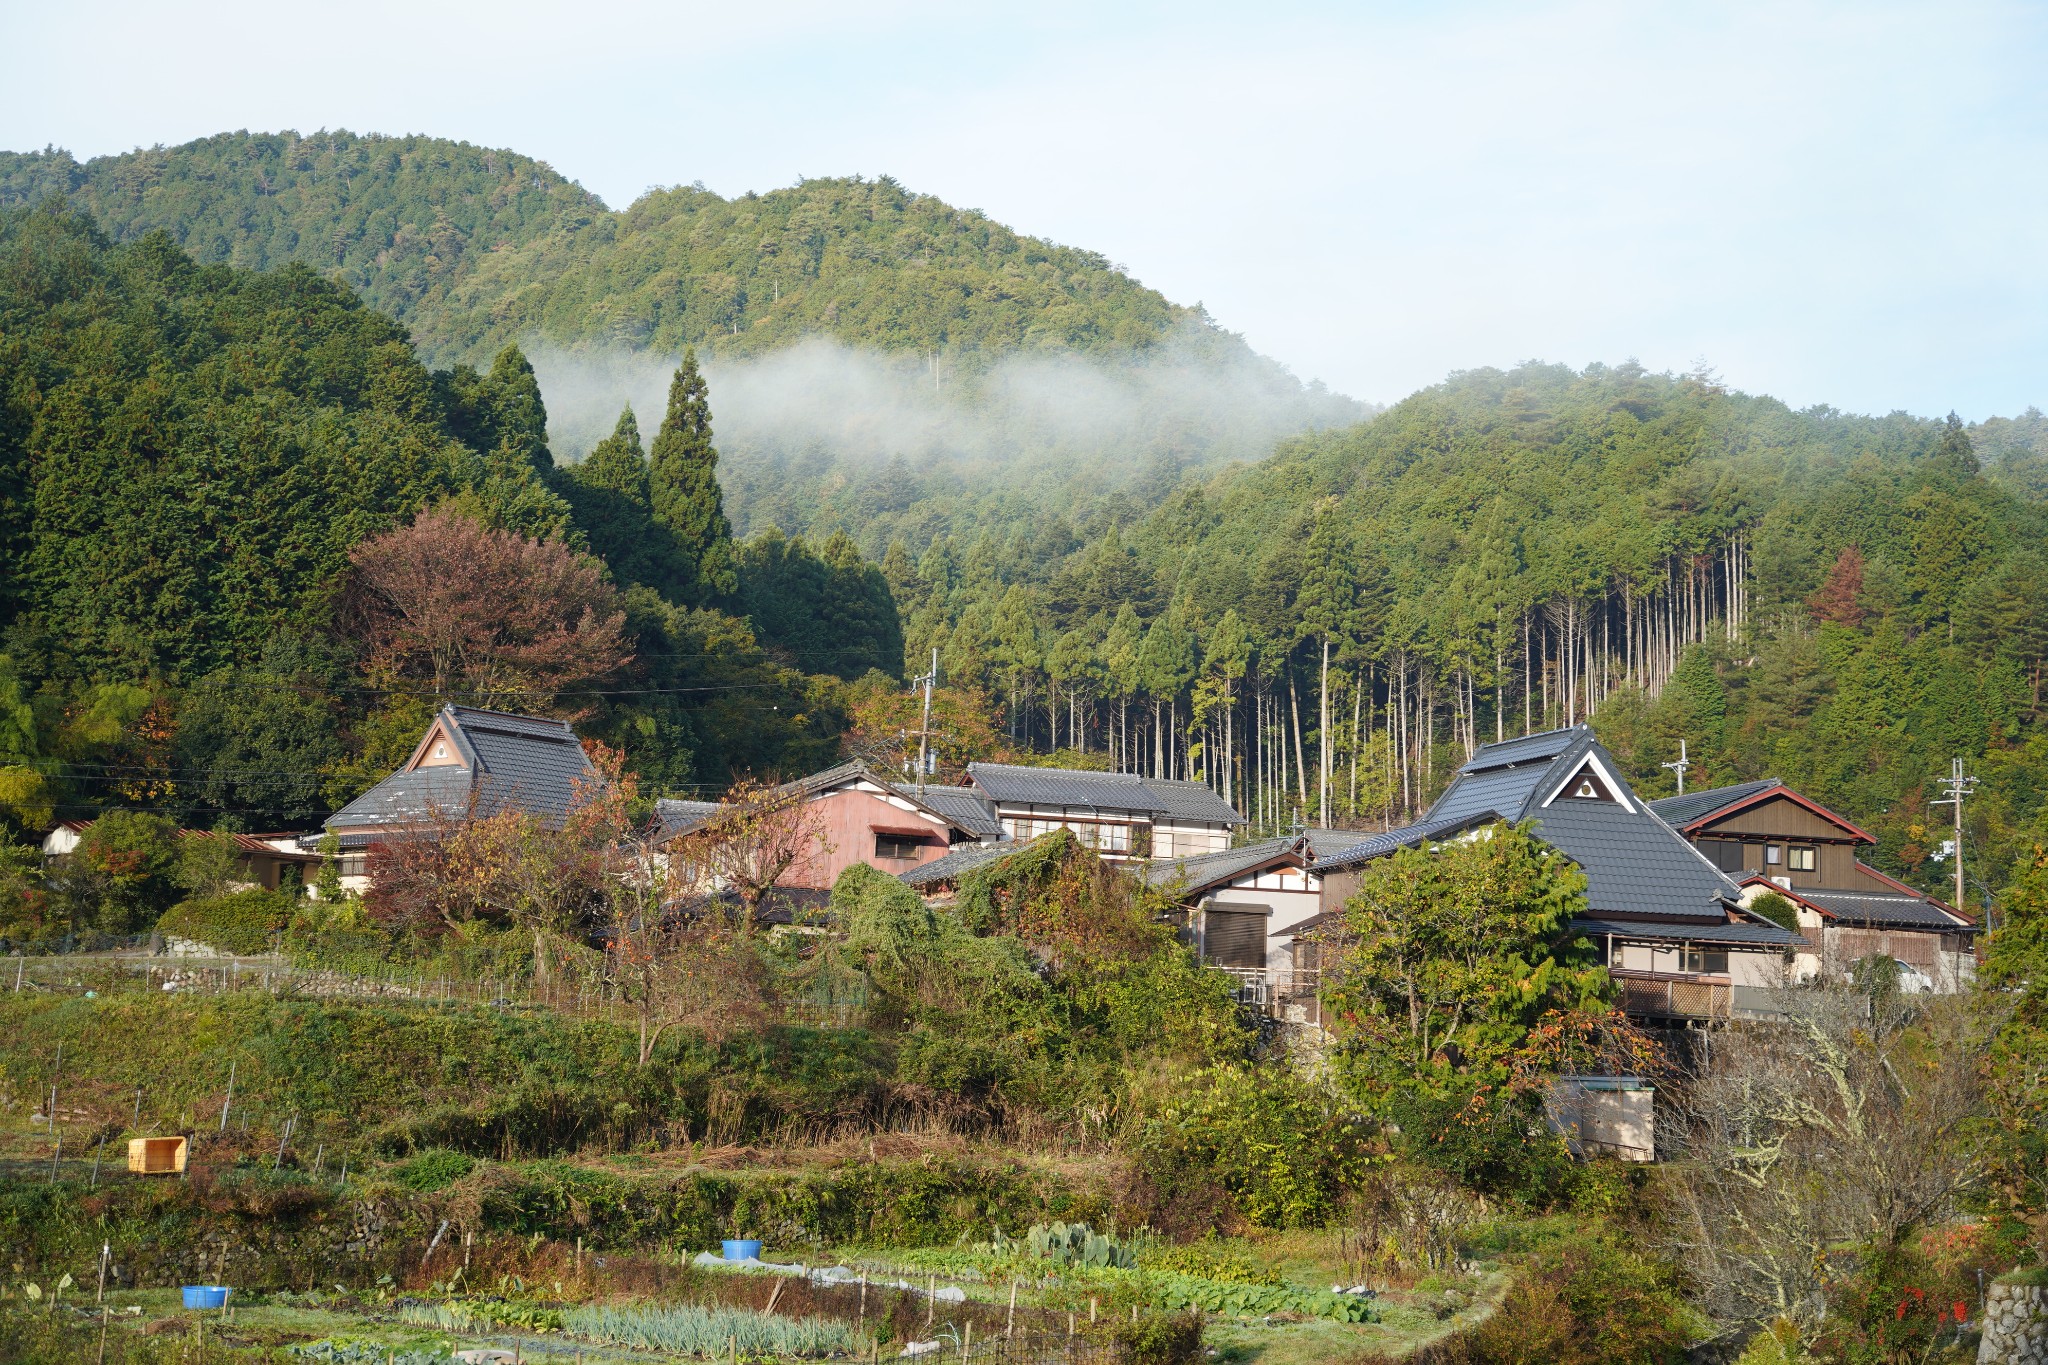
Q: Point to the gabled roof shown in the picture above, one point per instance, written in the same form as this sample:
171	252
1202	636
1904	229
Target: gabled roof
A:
508	762
1683	810
1199	872
1695	810
965	807
691	816
1011	784
1635	863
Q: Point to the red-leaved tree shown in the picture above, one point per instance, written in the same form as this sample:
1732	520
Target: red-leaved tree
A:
489	615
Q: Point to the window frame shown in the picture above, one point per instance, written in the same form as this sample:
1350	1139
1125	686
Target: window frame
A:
1802	859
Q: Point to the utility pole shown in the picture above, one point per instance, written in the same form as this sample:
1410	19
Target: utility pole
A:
1679	767
1955	787
924	730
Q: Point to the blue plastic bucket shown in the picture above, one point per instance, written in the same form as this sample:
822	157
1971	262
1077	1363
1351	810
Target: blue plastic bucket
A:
742	1249
206	1296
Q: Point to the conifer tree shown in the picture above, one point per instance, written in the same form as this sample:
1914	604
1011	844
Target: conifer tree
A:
514	416
614	504
683	478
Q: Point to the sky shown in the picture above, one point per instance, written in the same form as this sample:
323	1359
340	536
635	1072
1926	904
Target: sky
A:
1838	203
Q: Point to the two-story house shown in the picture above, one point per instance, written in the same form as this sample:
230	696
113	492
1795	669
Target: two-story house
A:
1670	926
1769	838
1122	816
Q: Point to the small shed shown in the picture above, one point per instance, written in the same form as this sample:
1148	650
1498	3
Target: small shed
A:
157	1155
1605	1116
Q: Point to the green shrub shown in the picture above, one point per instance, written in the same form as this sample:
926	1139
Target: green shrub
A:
239	922
1283	1149
1209	1259
1159	1339
1586	1302
435	1170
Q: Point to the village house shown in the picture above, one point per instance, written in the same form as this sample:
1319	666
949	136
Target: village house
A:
855	815
1671	927
1122	816
1247	910
470	764
1769	838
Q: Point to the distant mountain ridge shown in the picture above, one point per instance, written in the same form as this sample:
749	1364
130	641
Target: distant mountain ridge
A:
474	247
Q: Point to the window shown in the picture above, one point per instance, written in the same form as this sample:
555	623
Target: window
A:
888	845
1773	855
1802	860
1725	854
353	865
1701	961
1234	938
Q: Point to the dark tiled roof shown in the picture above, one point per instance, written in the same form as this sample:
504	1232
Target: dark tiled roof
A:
1204	870
958	864
406	798
1408	836
672	816
1010	784
1719	932
964	806
524	763
1683	810
1898	911
1634	862
1540	747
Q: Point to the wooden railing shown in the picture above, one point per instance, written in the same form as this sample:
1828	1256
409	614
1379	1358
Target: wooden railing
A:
1674	997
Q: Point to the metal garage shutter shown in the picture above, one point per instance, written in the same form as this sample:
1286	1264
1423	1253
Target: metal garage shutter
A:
1234	938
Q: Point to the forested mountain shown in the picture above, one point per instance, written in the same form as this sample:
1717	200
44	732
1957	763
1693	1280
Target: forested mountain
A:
200	467
968	355
1843	602
475	247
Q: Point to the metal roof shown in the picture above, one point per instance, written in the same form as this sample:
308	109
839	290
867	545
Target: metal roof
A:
1894	910
1683	810
1011	784
1769	935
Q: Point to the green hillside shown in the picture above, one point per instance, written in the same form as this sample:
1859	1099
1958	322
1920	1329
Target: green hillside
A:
397	219
473	247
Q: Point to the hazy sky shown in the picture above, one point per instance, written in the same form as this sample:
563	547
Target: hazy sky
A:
1834	203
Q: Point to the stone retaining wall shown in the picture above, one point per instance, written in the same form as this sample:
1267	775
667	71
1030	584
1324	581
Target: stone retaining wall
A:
2015	1325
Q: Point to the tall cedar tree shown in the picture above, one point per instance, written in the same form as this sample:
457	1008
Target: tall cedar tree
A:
683	476
614	502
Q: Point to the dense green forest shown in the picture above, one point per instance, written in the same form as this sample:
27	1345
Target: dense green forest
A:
197	462
969	356
1843	602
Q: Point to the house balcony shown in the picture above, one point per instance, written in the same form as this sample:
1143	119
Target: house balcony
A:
1289	995
1689	997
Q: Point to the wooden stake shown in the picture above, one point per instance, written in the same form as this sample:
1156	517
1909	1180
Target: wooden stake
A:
773	1295
97	1153
931	1300
103	1336
1091	1308
967	1342
863	1296
1010	1326
106	1250
229	1102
